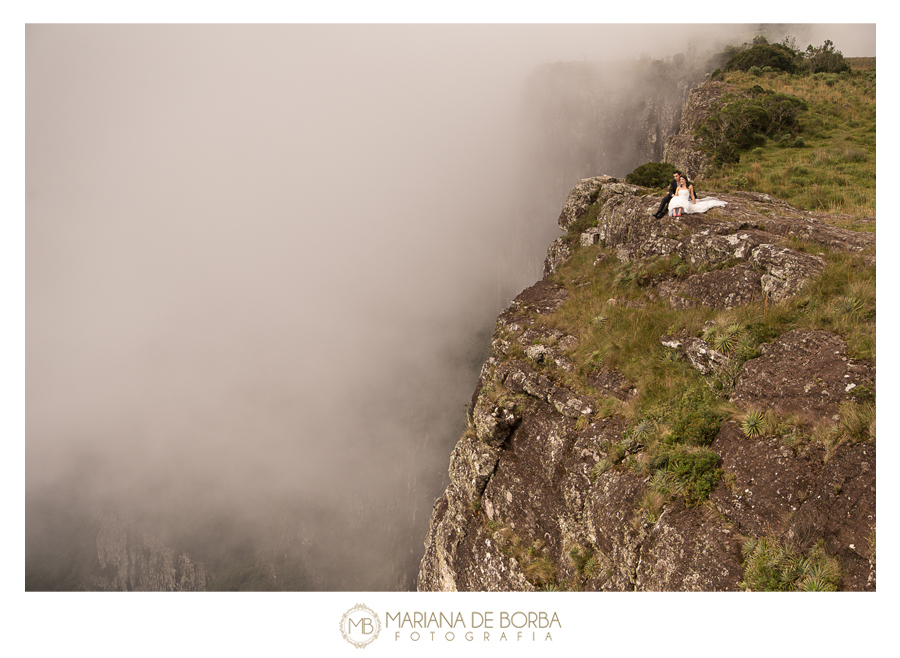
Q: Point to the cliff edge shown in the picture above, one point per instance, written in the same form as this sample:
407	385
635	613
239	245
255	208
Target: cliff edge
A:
679	404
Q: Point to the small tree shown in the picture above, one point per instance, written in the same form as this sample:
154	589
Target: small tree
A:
824	59
777	56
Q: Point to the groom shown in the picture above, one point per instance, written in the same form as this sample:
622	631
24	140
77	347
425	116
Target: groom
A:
664	206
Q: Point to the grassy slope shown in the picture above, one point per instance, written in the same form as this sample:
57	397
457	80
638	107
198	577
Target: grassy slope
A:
835	171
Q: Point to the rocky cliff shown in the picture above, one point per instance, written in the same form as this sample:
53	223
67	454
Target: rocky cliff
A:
763	477
133	560
679	148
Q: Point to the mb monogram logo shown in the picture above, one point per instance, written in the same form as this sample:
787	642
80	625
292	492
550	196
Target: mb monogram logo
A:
360	626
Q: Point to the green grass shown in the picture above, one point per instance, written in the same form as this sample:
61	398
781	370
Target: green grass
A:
829	165
841	300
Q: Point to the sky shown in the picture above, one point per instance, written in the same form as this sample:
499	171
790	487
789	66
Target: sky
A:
247	248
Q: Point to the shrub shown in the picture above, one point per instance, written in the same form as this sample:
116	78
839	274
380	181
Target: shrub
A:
784	111
652	174
739	182
697	427
696	473
824	59
777	56
762	57
745	122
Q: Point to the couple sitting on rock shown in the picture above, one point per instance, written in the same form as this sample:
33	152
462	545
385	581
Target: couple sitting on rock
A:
681	199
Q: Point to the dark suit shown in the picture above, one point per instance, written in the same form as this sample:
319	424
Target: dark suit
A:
664	206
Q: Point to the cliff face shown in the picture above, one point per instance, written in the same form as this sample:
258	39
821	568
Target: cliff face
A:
555	483
132	560
679	148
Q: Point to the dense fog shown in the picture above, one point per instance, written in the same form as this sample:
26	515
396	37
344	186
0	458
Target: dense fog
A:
262	268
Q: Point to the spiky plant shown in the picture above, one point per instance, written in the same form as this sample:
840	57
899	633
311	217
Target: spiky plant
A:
670	356
727	338
816	585
578	557
849	305
753	424
641	431
772	565
600	468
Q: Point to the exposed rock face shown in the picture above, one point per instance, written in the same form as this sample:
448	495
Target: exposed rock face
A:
833	499
537	485
527	491
805	372
720	289
586	192
738	235
131	560
557	254
680	148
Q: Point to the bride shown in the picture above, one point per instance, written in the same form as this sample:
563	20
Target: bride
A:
685	201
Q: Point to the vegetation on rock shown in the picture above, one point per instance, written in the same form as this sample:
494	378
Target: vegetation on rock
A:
775	566
805	133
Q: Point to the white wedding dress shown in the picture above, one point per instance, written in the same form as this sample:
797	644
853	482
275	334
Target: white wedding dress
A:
683	200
